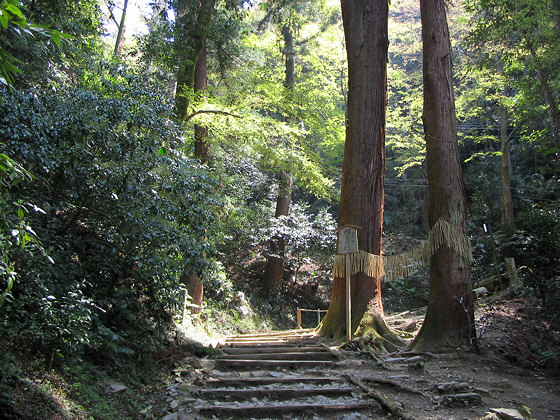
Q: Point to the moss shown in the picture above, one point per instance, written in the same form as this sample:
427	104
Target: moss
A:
380	337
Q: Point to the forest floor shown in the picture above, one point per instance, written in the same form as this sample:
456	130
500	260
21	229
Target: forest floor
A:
516	368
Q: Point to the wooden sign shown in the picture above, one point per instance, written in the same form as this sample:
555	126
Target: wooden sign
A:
347	239
348	244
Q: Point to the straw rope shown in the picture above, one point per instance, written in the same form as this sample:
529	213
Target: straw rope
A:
402	265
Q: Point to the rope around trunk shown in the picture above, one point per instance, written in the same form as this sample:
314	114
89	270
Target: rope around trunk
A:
402	265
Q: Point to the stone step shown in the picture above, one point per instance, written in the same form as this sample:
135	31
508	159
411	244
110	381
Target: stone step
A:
273	364
322	355
275	393
257	340
281	409
268	380
275	343
274	349
297	332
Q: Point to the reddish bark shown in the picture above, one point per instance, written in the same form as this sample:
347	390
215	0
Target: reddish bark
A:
362	190
200	83
275	266
449	318
196	292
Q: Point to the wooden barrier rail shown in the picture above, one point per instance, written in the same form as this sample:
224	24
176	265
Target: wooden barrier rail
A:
300	310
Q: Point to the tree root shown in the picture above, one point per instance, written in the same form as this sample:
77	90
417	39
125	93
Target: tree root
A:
383	339
385	402
386	381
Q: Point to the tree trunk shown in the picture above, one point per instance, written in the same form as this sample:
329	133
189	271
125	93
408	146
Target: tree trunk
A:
119	43
275	265
195	289
195	286
363	172
508	223
190	38
548	96
449	317
200	83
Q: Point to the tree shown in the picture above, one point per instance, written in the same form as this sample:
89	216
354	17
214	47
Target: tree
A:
290	17
195	285
525	32
449	318
275	269
508	220
192	21
119	40
362	191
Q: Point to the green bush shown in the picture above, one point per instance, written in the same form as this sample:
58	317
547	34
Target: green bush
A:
124	214
536	249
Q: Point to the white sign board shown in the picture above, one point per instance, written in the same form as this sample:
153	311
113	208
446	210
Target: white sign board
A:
347	240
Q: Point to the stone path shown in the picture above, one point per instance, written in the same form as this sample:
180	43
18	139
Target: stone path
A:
288	374
294	375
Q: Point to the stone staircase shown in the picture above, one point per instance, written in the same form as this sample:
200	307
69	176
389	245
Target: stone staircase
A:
280	375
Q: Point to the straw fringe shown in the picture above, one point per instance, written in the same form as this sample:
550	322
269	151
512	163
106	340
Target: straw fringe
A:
402	265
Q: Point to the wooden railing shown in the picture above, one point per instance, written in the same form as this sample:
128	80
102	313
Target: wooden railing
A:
299	311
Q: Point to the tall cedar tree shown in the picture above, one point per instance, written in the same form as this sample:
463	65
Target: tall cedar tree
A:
195	286
449	317
362	191
192	24
275	267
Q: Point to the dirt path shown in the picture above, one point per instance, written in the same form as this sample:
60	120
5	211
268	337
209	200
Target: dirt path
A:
294	374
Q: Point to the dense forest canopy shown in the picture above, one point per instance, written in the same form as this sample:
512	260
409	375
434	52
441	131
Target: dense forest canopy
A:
134	163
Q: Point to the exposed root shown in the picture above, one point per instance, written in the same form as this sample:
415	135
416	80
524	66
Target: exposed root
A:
395	384
381	338
385	402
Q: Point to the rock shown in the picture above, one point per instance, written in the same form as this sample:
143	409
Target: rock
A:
416	367
507	413
338	355
446	387
192	361
207	364
504	383
480	291
170	416
462	400
490	416
411	327
174	405
115	387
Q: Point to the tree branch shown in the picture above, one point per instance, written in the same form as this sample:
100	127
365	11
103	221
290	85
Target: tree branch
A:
210	111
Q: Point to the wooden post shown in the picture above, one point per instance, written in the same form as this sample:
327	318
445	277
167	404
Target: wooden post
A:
348	244
488	229
298	317
512	271
318	316
348	299
185	307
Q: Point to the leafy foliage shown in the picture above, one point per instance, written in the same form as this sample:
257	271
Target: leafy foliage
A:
14	24
537	248
305	235
125	215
